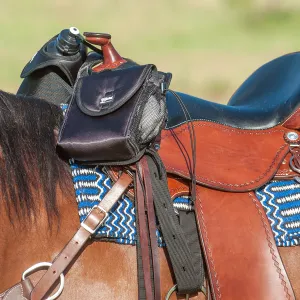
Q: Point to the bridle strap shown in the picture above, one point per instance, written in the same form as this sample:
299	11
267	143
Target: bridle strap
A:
147	231
144	241
92	222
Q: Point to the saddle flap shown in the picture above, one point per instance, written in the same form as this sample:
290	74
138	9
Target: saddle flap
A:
227	158
102	93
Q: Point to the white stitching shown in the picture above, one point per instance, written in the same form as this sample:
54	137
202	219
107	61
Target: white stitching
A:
12	289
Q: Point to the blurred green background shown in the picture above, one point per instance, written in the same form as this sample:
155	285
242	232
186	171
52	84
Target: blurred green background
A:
210	46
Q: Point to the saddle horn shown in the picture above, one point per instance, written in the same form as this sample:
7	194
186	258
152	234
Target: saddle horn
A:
111	58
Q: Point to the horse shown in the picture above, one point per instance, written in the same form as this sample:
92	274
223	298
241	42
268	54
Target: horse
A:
38	212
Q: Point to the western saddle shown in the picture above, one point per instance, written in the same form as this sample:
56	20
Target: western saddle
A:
240	147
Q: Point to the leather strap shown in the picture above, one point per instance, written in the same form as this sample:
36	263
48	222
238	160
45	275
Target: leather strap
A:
241	255
143	236
92	222
152	226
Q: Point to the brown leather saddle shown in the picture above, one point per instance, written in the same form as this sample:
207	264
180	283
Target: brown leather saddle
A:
239	148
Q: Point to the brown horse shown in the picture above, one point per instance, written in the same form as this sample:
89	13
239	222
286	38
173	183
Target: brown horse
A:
38	213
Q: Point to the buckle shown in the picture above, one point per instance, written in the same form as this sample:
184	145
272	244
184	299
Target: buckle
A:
89	229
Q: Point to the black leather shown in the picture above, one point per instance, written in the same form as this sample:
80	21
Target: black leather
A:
263	101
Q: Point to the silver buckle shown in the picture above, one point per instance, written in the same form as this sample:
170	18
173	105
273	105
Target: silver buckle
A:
89	229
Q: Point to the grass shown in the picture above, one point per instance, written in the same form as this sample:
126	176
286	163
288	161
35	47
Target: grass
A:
209	46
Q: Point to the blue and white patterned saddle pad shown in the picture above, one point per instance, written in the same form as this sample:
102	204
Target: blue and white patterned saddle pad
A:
91	184
280	199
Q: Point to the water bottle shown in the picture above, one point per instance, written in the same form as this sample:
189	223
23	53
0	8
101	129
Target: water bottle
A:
52	71
65	44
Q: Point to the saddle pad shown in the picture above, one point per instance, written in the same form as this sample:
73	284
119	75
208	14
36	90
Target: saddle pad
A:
281	201
91	184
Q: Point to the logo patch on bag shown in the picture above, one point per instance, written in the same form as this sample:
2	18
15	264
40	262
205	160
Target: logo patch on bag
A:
109	97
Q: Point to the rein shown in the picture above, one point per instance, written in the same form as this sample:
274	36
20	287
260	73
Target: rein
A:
87	228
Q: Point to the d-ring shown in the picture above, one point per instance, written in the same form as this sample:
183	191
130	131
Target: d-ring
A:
39	266
293	167
172	290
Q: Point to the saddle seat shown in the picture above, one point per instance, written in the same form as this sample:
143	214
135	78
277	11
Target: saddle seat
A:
264	100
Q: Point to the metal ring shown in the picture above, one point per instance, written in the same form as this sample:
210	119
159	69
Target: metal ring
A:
172	290
293	166
42	265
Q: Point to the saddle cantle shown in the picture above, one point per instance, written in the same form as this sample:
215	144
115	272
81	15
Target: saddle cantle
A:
263	101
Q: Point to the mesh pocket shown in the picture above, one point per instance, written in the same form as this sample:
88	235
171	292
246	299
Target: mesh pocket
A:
152	118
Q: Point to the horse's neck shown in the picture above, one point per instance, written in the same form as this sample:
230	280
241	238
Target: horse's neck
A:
103	271
24	245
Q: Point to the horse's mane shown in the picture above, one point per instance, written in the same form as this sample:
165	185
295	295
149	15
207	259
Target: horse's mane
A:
29	167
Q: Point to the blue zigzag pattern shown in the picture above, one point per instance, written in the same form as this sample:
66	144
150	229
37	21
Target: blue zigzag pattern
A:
91	184
281	201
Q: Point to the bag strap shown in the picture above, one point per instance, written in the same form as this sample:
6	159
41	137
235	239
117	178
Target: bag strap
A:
93	221
188	281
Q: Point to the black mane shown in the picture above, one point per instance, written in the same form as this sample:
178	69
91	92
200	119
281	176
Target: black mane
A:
29	167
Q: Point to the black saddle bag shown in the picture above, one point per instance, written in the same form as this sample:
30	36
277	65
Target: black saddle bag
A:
114	115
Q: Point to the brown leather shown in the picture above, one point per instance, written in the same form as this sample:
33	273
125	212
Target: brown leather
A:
243	260
240	251
20	291
293	121
227	158
284	171
152	226
175	189
143	237
70	251
177	186
114	173
111	58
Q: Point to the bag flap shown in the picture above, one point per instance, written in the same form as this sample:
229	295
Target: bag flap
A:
102	93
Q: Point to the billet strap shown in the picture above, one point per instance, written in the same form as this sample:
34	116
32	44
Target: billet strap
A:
93	221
